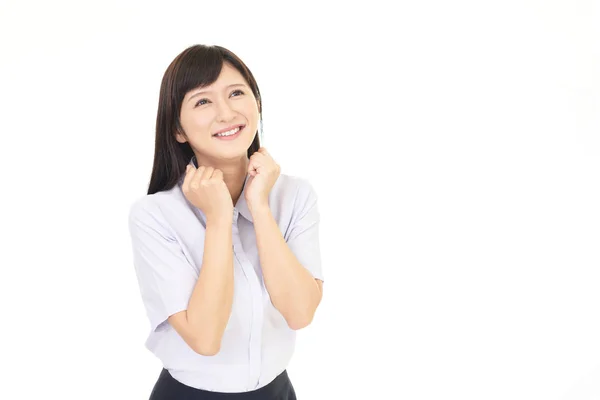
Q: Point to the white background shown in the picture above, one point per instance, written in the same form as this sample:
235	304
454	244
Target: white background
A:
454	147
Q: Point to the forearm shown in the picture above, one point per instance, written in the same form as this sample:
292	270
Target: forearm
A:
209	307
292	288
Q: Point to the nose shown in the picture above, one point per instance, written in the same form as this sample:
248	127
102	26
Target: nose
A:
225	112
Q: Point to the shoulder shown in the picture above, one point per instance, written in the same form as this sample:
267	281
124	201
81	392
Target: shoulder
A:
145	217
145	207
294	192
154	209
297	185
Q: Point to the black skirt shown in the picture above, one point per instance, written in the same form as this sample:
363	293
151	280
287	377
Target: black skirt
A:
168	388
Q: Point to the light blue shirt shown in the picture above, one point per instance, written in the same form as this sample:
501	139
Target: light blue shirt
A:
167	234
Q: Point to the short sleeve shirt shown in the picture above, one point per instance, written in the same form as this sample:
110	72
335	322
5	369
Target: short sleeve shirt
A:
167	234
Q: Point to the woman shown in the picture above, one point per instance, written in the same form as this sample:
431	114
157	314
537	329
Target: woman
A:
225	247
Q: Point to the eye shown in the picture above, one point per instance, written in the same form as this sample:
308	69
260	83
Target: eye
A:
201	100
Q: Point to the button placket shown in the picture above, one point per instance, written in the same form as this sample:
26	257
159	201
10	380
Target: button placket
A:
256	311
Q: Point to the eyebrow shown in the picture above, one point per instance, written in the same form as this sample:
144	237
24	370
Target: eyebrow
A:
205	91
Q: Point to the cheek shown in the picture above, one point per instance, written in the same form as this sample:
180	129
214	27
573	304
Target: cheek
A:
196	121
251	111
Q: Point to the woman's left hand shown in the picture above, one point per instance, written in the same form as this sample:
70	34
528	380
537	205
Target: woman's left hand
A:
264	172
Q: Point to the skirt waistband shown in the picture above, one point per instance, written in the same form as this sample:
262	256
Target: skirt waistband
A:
167	386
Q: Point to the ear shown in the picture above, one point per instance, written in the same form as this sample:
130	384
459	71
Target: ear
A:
180	137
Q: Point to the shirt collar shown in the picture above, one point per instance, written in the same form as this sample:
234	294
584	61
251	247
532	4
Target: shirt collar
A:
241	206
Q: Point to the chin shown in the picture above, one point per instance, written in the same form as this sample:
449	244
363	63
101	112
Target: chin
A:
233	153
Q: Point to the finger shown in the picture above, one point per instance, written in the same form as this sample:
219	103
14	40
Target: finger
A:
217	175
255	168
260	160
208	171
195	181
257	156
252	165
190	170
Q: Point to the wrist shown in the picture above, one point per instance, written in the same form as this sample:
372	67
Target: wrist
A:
259	209
221	218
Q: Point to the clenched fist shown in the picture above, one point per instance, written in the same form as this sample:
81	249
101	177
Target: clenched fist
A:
205	188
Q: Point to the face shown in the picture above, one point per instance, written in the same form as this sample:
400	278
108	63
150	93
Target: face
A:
226	104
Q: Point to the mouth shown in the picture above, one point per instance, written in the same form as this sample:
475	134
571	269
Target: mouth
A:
229	133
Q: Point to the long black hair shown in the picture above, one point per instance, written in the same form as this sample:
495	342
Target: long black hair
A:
196	66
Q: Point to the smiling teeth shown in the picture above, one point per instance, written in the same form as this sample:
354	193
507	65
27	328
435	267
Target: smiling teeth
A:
228	133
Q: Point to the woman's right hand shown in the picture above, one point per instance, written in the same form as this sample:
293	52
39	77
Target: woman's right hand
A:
205	188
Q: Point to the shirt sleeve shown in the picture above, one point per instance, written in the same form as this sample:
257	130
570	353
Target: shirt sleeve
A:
165	276
303	237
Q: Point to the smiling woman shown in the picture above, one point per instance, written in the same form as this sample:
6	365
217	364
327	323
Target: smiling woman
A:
219	111
205	90
226	247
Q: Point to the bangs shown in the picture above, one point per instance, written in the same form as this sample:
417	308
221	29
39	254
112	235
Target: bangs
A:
199	67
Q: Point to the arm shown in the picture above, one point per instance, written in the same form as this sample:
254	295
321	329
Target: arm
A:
292	288
196	305
209	308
